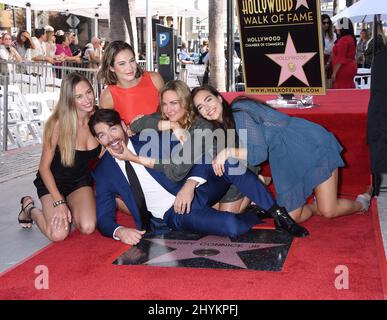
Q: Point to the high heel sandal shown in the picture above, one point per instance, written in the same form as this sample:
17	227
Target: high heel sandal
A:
365	199
27	220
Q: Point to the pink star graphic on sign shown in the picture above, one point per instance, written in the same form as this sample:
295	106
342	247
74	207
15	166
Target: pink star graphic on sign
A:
291	62
302	3
216	248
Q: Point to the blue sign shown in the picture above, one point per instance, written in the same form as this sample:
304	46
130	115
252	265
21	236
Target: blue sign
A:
163	39
166	52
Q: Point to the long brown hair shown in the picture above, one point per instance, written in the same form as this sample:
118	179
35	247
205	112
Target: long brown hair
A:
330	28
65	114
26	44
184	95
113	48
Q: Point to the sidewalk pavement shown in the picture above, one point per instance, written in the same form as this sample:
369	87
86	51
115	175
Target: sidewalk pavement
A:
18	169
18	162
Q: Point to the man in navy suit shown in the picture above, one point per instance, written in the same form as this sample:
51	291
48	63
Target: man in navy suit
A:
200	189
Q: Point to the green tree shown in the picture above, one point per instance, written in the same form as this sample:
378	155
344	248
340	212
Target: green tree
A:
335	5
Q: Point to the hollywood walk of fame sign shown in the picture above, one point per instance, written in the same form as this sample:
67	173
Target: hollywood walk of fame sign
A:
282	48
258	250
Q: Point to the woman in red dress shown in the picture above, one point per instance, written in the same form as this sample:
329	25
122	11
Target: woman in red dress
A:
130	90
343	56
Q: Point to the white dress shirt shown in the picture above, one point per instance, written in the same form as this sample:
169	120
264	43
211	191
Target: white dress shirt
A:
158	200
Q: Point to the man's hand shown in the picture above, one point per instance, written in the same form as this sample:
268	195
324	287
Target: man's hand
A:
129	235
184	197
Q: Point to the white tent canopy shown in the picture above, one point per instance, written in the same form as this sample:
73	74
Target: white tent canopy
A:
364	11
89	8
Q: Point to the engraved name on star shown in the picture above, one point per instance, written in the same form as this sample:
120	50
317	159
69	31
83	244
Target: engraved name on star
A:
224	250
291	62
302	3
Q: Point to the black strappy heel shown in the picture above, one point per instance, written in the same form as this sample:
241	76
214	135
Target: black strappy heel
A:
26	221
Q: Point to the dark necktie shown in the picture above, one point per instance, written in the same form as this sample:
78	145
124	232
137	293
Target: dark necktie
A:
138	195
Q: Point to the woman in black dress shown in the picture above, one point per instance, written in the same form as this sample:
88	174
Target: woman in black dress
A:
63	182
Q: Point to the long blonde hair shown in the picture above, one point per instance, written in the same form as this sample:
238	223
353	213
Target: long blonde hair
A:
65	114
184	95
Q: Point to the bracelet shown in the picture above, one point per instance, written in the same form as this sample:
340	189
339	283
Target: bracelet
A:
59	202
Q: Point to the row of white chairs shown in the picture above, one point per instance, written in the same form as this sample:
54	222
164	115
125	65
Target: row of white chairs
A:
362	78
32	91
26	115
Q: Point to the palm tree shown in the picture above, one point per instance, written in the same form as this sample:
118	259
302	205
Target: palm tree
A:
335	4
132	4
216	41
122	23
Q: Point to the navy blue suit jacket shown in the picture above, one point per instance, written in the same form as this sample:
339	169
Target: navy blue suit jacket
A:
110	182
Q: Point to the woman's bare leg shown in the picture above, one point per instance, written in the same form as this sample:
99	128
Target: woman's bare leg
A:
328	205
301	214
82	206
245	202
237	206
43	219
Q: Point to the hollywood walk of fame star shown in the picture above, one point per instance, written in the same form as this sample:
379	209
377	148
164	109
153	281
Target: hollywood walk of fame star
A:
291	62
302	3
220	249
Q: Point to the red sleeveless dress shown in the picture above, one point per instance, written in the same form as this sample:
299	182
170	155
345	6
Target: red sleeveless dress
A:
344	53
141	99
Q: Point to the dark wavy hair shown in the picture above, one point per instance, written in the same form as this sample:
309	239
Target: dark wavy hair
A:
228	119
330	29
346	28
26	44
108	116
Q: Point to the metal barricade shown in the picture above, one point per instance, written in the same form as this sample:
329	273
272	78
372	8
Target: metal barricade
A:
35	77
4	111
142	64
29	91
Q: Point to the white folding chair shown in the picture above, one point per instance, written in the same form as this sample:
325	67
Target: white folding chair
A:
362	81
17	102
39	106
362	78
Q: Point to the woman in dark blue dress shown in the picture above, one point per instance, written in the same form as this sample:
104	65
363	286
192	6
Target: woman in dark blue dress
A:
303	156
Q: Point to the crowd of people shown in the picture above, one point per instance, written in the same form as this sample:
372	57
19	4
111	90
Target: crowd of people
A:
52	47
191	175
343	53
